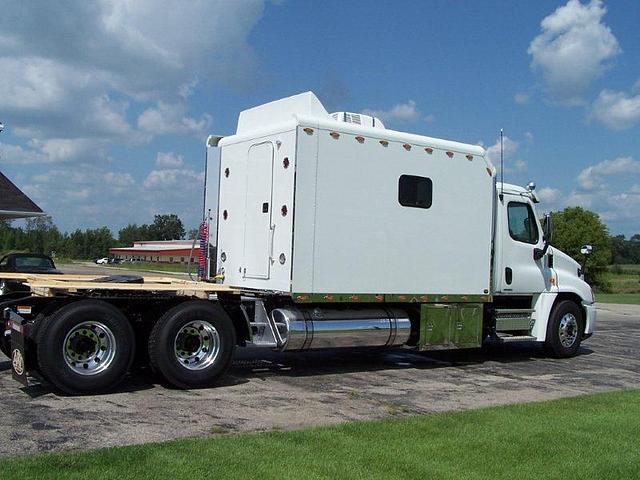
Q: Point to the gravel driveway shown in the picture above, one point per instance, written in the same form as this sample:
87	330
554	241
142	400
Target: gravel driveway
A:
266	391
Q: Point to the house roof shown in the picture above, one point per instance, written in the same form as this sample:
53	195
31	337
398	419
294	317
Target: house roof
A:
14	203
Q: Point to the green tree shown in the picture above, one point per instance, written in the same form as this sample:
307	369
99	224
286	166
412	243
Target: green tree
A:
167	227
574	227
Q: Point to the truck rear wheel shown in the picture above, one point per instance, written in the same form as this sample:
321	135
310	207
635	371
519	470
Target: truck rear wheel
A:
85	347
192	344
564	331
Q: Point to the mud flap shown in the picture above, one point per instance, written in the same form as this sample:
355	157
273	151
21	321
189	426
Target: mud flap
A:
18	334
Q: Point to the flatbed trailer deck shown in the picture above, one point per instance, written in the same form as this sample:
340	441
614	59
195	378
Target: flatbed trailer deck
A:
48	285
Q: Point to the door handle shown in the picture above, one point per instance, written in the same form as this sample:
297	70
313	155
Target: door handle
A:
508	275
271	240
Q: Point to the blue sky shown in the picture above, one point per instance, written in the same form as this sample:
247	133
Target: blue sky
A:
107	103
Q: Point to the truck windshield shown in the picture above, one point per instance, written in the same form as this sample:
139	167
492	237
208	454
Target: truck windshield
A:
522	223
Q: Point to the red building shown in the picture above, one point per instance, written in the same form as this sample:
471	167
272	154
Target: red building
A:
170	251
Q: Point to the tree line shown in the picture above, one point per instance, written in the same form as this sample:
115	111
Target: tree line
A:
40	235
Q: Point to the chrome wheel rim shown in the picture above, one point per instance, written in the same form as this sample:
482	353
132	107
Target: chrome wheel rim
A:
568	330
89	348
197	345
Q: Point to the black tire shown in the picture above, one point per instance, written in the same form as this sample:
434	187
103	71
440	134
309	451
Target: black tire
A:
53	333
162	344
556	344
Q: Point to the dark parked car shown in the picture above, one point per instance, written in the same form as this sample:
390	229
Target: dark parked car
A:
21	263
27	263
24	263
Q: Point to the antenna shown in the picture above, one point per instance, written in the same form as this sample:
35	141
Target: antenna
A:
501	164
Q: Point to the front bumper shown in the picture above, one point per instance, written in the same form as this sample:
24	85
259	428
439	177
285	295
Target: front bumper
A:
590	318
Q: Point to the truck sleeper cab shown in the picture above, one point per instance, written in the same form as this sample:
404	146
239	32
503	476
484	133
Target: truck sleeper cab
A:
331	232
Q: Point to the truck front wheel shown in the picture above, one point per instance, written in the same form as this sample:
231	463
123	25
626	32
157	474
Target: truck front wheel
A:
564	331
192	344
85	347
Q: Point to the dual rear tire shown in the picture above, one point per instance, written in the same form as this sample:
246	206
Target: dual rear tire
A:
192	344
89	346
85	347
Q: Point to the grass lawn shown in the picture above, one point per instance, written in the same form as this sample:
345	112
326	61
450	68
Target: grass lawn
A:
162	267
589	437
626	298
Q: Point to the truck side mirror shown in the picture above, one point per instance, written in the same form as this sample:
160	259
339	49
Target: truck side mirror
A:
585	250
547	234
547	229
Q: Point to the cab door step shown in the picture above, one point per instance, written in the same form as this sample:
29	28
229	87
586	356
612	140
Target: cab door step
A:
507	338
510	319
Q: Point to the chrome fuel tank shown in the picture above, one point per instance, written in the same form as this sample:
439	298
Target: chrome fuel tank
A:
314	328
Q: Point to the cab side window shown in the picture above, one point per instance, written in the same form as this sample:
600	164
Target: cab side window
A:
522	223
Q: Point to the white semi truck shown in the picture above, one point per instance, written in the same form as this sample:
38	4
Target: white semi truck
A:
332	232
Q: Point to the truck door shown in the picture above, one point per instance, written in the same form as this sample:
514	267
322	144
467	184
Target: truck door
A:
520	233
258	229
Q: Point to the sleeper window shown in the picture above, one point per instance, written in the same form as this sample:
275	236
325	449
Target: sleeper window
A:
522	223
415	191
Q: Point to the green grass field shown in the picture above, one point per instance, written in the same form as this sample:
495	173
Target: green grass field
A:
624	298
158	267
589	437
625	285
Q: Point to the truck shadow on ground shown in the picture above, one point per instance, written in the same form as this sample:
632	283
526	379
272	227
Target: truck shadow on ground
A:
316	363
252	363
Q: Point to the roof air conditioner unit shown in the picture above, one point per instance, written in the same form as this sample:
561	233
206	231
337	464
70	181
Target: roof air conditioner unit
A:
358	119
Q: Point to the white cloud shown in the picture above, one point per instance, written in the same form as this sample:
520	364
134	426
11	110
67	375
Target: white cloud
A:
610	188
616	110
80	76
166	118
522	97
595	176
510	147
53	150
172	178
400	112
573	49
549	196
118	179
169	160
106	197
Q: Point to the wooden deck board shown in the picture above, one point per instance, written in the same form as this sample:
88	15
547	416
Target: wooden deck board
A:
48	285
